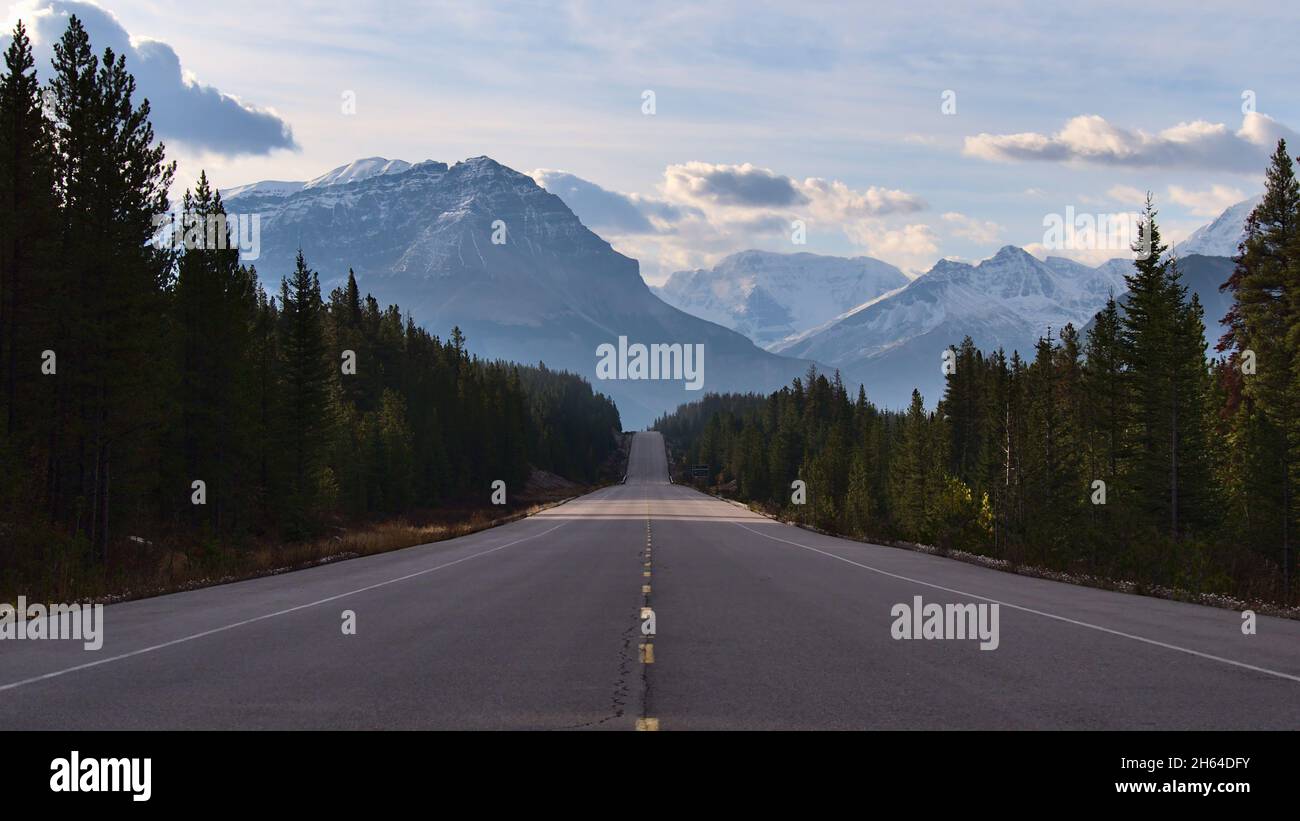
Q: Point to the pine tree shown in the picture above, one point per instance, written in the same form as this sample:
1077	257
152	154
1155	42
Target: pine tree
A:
859	504
112	182
215	302
1103	386
1162	336
27	223
305	381
964	405
1105	403
1262	326
912	480
1046	495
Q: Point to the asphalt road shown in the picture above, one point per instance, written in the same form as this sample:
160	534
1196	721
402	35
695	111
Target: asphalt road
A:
537	625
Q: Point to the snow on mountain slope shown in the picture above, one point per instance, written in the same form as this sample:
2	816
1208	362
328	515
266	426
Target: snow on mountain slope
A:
358	170
423	238
352	172
894	344
1220	237
1092	286
266	188
771	296
1010	284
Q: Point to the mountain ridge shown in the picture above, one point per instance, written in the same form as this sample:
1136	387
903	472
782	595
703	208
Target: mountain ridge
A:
1009	300
481	246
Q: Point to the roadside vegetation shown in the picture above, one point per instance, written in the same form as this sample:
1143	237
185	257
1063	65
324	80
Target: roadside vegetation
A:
1125	453
164	420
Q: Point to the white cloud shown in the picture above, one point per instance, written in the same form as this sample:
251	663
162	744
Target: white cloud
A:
911	247
1127	194
718	187
975	230
703	211
834	199
604	210
1091	139
181	108
1210	203
742	186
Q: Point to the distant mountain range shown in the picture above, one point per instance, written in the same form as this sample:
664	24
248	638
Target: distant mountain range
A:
892	341
422	236
770	297
893	344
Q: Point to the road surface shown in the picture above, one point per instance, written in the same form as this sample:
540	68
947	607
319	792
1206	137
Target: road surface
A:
537	625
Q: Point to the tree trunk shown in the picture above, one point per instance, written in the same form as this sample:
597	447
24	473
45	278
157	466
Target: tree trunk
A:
108	461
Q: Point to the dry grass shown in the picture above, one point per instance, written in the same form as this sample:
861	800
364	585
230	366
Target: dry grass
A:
144	569
176	573
46	565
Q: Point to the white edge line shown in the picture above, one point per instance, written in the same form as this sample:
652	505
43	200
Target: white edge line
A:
1065	619
265	616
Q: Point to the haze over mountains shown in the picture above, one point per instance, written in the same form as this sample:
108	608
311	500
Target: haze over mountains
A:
421	236
770	296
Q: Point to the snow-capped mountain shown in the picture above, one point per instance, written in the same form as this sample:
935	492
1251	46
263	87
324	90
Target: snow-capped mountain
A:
769	297
357	171
894	343
354	171
265	188
1221	237
482	246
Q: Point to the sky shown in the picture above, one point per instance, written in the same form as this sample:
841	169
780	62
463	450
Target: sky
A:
682	132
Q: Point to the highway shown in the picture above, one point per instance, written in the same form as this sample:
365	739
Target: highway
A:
758	625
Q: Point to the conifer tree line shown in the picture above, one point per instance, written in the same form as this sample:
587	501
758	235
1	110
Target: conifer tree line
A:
129	370
1129	451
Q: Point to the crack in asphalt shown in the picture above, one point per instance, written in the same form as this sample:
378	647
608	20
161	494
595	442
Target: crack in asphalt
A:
622	687
627	657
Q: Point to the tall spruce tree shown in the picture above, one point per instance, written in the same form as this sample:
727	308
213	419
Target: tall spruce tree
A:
305	390
27	223
215	312
1162	338
1264	342
112	181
